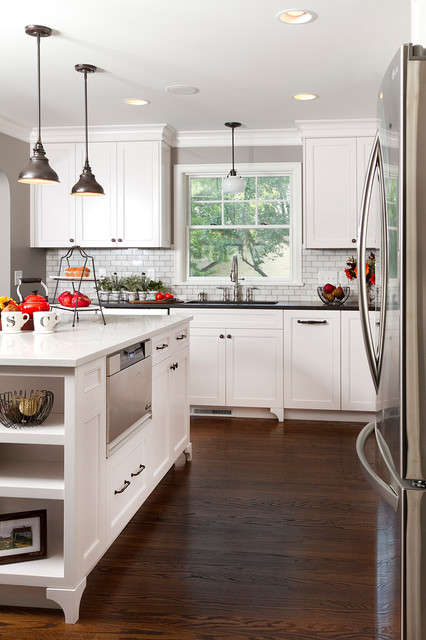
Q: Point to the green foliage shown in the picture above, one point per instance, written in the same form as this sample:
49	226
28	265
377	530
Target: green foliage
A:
265	202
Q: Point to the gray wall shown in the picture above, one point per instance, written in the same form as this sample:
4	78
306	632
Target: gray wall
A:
14	156
207	155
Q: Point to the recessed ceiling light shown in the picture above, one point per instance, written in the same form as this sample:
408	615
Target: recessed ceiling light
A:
304	96
296	16
182	89
136	101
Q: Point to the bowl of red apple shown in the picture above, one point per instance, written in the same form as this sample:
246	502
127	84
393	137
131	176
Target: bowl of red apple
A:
333	294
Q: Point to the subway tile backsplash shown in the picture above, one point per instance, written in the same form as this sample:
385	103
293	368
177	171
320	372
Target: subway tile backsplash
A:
319	266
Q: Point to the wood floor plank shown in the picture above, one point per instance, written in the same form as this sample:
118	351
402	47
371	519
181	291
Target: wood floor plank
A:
269	534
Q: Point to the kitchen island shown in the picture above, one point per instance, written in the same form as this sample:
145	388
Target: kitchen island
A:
61	466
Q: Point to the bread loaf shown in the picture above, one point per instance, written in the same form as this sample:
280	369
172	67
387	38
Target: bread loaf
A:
76	272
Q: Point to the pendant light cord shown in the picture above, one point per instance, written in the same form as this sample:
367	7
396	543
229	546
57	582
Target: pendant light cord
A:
39	89
233	170
86	164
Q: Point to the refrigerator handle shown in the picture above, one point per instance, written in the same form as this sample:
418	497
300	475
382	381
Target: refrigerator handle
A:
375	357
387	492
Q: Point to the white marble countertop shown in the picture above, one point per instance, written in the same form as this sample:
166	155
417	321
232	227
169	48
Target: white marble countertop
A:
72	346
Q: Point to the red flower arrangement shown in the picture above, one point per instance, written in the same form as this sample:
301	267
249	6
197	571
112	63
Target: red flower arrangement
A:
370	269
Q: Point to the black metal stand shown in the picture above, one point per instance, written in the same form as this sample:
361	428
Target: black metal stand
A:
80	280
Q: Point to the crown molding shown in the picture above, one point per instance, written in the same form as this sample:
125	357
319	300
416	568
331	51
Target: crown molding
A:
243	138
107	133
15	130
336	128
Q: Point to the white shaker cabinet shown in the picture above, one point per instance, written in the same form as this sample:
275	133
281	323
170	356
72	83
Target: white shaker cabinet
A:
358	392
53	218
170	407
236	359
134	212
312	360
334	171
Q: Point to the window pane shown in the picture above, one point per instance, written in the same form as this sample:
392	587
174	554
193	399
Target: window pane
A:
239	213
273	188
249	192
274	212
206	188
261	252
206	213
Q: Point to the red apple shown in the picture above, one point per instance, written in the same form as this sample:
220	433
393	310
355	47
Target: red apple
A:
329	288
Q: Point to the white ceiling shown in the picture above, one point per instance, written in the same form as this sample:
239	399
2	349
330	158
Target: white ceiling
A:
245	62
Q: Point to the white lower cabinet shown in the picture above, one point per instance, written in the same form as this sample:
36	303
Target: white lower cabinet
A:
127	482
170	406
358	392
325	362
312	359
237	364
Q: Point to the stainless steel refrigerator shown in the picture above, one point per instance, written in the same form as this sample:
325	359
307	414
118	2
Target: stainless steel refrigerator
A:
392	449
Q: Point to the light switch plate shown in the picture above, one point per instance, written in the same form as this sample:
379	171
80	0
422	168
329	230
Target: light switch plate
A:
327	275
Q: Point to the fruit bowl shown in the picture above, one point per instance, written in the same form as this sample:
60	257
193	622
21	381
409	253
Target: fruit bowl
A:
331	299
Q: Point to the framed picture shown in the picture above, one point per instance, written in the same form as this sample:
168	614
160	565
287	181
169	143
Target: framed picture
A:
22	536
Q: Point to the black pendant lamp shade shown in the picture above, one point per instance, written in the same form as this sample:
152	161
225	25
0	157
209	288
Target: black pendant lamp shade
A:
38	170
87	185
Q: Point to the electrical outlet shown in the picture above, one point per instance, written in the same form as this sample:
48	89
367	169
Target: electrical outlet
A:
327	275
151	273
101	272
18	274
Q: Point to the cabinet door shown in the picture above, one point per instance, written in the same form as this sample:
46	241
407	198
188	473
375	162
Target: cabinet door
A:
330	192
139	194
96	217
52	207
358	392
254	368
364	146
207	367
312	359
179	405
160	442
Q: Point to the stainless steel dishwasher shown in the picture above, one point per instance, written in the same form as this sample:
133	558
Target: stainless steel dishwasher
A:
129	391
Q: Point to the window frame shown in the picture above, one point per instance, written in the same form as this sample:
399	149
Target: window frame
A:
182	175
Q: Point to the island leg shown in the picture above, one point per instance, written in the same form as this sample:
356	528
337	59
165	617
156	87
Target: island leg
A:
188	452
68	600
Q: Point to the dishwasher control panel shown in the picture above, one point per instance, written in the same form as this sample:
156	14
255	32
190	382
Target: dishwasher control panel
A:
128	356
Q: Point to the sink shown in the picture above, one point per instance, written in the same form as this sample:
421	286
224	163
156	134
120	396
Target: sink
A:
231	303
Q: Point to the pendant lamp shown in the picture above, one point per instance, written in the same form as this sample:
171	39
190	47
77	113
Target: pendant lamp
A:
233	183
38	170
87	185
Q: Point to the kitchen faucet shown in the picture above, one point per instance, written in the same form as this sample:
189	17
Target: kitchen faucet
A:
234	276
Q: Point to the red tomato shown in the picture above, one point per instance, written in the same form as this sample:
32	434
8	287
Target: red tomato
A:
34	303
159	296
168	296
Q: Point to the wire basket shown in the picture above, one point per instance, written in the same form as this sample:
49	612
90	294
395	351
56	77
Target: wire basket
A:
18	411
333	300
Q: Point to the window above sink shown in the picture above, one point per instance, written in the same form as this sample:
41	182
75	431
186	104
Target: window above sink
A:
263	225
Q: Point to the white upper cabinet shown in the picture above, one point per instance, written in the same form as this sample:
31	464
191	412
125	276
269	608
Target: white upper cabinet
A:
334	179
52	208
135	211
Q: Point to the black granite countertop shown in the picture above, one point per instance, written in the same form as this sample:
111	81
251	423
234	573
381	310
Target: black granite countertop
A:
217	304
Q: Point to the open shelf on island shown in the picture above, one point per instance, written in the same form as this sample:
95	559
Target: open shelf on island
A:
52	431
20	478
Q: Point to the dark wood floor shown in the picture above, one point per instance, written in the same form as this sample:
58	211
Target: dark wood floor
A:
269	534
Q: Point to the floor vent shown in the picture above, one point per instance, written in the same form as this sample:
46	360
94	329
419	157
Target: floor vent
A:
212	412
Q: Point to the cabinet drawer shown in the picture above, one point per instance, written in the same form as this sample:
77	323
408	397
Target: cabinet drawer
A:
180	337
162	346
127	484
249	318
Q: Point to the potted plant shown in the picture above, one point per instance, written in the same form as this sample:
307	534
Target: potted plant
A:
131	284
154	286
104	287
117	286
143	287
